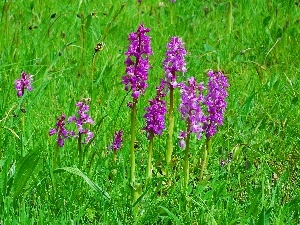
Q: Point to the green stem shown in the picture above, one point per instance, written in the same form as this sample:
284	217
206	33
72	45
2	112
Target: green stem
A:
55	157
171	13
170	129
150	154
132	154
186	157
23	136
83	40
230	17
79	150
207	150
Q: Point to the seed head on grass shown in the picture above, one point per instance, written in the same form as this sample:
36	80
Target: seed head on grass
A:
137	62
23	83
155	113
62	132
190	108
215	101
174	61
83	118
117	141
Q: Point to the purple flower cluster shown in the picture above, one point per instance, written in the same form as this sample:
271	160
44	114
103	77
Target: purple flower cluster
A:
190	108
215	101
155	113
81	120
60	130
137	62
174	61
23	83
117	142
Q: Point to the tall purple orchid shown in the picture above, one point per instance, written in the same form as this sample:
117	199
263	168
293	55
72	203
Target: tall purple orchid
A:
191	112
137	62
173	63
155	122
175	60
216	104
23	83
135	80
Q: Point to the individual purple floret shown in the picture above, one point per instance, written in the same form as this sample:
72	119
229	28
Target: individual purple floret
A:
61	131
215	101
23	83
190	107
137	62
155	113
83	118
174	61
117	142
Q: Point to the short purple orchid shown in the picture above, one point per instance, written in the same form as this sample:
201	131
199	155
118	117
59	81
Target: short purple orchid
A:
215	101
155	113
83	118
61	130
137	62
23	83
190	108
117	141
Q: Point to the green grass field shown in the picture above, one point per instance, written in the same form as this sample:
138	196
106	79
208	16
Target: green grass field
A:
257	48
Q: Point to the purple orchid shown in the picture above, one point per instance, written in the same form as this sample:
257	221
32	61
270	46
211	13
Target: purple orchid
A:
155	113
83	118
23	83
61	130
137	62
117	141
215	101
190	108
175	60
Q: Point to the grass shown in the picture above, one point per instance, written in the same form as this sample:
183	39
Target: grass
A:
260	57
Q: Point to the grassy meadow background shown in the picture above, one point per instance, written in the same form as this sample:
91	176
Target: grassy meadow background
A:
55	42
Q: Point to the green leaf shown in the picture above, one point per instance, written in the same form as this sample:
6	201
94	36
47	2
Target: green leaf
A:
208	48
77	172
171	215
24	170
266	20
295	100
88	22
264	217
248	104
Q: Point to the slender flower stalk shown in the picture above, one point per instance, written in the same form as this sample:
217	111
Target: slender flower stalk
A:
83	118
135	80
155	123
117	142
216	106
23	83
173	63
191	112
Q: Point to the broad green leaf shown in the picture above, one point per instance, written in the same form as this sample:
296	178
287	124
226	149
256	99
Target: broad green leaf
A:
77	172
24	170
171	215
